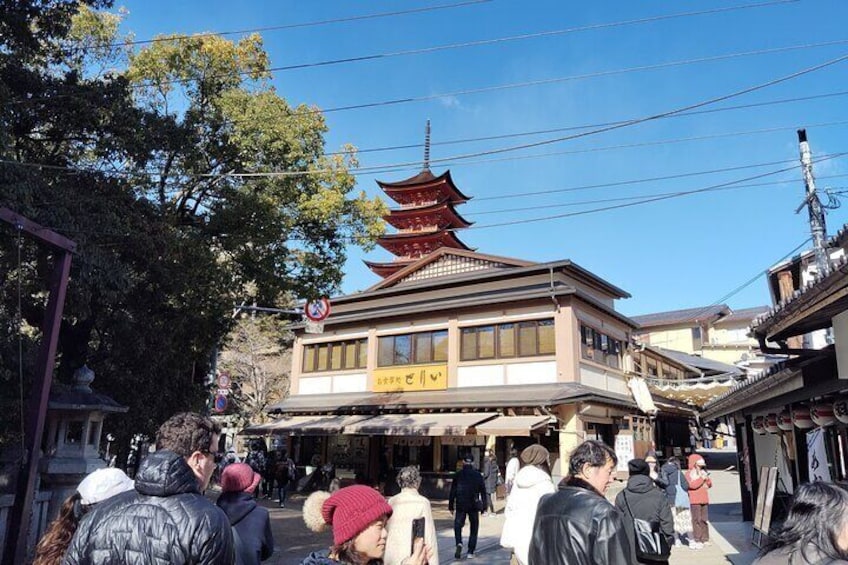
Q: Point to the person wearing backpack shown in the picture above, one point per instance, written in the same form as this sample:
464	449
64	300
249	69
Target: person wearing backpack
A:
285	474
642	500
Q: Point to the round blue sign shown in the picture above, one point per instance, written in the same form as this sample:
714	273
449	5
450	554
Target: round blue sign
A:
220	403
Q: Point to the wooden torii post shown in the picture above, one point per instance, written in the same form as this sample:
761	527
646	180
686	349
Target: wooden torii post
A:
19	517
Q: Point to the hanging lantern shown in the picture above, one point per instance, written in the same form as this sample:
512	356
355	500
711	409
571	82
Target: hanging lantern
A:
840	410
770	423
822	414
801	418
784	421
758	425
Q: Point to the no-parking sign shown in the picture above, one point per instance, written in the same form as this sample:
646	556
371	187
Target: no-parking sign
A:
317	310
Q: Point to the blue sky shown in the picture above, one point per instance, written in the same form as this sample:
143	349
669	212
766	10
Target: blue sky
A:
676	253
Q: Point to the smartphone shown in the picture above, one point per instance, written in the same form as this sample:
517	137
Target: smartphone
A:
417	532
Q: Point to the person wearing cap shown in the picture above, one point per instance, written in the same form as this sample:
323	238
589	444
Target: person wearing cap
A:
407	506
468	499
642	499
97	487
251	522
531	483
166	519
577	525
357	515
699	500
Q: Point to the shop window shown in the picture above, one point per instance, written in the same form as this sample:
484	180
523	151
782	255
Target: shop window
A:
406	349
600	347
350	354
525	339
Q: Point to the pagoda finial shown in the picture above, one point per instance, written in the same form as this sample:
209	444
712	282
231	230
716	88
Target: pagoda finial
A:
427	146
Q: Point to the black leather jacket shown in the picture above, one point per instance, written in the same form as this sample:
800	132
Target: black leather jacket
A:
578	526
164	520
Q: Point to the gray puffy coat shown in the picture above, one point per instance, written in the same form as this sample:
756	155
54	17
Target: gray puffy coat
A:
165	520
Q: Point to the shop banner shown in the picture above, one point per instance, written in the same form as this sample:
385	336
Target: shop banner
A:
411	378
624	450
817	456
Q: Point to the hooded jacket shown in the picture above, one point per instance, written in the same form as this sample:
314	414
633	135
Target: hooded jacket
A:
407	506
578	526
165	519
466	490
642	499
698	485
530	485
675	478
253	525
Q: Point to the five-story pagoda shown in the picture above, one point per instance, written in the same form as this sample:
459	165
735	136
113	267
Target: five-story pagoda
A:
426	219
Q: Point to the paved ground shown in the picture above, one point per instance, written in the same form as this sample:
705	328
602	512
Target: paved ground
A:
729	535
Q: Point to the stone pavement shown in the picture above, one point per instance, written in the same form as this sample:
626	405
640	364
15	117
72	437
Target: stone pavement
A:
730	537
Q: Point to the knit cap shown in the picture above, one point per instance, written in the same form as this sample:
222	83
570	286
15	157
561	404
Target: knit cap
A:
103	484
239	477
638	467
348	510
534	455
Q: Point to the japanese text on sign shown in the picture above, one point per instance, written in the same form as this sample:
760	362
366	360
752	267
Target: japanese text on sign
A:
411	378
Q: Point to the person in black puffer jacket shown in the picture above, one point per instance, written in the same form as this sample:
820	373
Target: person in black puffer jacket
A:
468	497
643	499
577	525
166	519
251	522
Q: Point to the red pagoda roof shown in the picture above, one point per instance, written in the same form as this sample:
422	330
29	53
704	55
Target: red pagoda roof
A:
417	244
441	214
388	269
424	187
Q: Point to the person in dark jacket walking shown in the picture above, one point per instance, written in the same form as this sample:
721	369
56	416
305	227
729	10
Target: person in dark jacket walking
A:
642	499
254	542
166	519
577	525
468	498
676	480
490	478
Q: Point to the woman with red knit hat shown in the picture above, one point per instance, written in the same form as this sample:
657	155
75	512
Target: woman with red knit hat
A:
699	500
358	515
251	523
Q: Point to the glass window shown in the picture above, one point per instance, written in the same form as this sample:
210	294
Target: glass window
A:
403	349
486	342
336	351
440	346
386	354
308	358
527	338
547	342
423	344
350	355
321	364
506	340
469	344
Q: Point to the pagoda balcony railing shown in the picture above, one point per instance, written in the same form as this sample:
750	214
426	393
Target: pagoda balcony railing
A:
417	204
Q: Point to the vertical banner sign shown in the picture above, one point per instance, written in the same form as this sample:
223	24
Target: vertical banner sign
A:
623	450
817	456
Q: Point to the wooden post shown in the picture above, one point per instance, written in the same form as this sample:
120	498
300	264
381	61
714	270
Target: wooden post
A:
19	516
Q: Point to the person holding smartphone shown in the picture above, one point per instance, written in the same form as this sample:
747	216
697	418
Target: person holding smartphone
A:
699	500
412	519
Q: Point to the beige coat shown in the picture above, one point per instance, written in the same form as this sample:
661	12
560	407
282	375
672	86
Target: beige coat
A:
407	506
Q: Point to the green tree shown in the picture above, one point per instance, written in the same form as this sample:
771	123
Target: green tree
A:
133	166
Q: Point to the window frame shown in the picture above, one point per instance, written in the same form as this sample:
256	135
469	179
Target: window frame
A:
313	352
601	348
414	356
499	333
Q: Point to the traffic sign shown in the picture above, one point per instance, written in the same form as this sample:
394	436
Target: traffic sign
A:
317	310
220	403
224	380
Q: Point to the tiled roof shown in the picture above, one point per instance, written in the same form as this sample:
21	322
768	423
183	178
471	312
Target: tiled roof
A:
744	314
680	316
700	363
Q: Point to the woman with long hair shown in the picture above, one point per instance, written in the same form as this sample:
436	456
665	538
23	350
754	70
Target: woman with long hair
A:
98	486
358	515
815	530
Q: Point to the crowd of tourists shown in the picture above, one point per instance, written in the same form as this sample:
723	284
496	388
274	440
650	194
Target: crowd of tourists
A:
163	516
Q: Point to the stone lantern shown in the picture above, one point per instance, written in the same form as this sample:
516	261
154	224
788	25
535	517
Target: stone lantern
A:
71	442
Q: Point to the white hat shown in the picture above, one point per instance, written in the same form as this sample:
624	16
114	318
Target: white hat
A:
103	484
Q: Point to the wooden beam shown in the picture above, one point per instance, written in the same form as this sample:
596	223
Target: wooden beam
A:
38	232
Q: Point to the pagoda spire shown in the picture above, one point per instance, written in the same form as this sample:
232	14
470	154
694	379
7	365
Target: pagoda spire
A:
427	146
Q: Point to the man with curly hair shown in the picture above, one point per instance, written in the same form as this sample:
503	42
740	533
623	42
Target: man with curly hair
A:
166	518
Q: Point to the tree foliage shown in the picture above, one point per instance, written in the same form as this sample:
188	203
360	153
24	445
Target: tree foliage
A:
147	159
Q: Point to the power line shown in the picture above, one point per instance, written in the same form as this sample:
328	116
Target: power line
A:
524	36
309	24
595	125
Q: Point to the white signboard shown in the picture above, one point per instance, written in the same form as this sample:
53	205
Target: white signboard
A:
624	450
817	456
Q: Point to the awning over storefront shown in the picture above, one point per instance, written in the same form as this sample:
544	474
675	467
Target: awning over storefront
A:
443	424
512	425
305	425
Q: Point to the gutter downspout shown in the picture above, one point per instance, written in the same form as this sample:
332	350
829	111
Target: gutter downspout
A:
553	296
761	339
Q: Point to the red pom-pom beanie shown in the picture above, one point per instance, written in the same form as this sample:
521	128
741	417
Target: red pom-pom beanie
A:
352	509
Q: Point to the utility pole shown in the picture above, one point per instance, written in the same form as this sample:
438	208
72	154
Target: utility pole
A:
818	227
